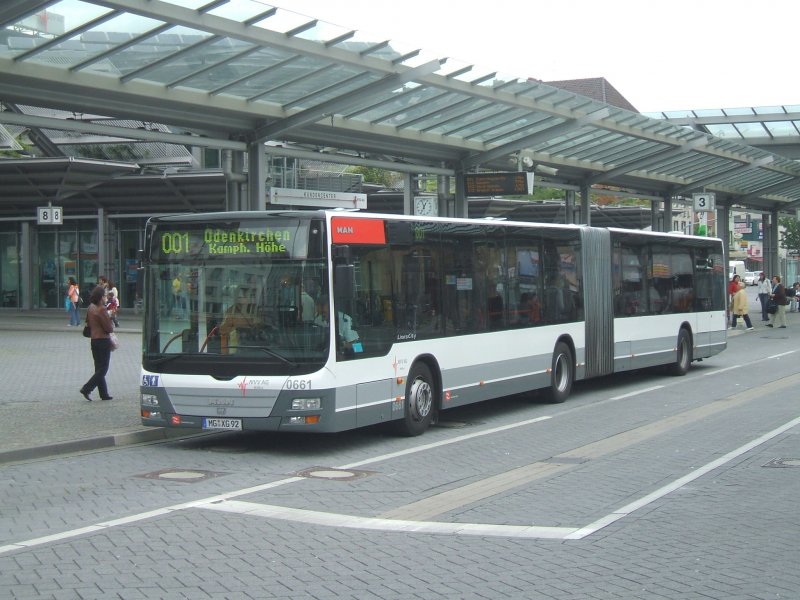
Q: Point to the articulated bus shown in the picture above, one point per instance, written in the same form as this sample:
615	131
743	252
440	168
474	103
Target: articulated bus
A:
324	321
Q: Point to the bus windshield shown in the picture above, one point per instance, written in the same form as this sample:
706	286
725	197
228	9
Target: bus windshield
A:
248	311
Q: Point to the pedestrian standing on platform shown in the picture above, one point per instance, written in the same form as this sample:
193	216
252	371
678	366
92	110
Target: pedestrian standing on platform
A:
100	326
73	297
778	296
741	307
764	290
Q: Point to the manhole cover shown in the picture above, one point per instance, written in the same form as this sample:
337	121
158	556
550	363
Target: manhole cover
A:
184	475
334	474
783	462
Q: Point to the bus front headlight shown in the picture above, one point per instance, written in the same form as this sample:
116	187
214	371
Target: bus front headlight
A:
149	400
306	403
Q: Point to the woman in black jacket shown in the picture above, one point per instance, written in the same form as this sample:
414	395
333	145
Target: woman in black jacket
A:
778	296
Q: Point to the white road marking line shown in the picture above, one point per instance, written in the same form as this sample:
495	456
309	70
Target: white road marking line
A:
678	483
312	517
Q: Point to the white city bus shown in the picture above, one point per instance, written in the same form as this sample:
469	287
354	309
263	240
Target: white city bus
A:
323	321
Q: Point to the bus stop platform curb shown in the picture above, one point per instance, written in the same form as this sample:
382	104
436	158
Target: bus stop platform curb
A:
83	445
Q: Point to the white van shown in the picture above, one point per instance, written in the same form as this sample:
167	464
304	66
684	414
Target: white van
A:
735	267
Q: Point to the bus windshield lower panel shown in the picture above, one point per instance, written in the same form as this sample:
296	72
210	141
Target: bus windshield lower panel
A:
256	317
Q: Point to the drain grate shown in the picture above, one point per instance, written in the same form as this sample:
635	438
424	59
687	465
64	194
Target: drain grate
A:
783	462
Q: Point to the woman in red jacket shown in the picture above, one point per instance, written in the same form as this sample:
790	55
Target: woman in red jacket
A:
733	287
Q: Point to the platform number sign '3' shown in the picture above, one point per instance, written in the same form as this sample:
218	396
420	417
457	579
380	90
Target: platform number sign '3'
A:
50	215
704	202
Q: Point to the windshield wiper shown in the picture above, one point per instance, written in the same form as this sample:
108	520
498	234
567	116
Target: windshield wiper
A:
272	353
171	357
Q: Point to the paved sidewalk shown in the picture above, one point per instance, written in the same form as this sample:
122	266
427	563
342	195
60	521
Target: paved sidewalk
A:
43	363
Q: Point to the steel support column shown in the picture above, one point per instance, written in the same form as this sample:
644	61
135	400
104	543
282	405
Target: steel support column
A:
586	204
655	215
569	207
25	302
409	189
774	236
256	177
667	222
460	203
724	231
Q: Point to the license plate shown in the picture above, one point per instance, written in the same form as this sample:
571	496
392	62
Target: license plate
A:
214	423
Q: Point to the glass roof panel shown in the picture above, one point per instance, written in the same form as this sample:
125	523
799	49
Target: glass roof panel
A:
678	114
723	130
194	4
398	109
51	22
508	119
709	112
751	130
782	128
434	111
738	112
768	110
339	80
463	113
792	107
527	124
236	10
603	145
323	32
283	21
199	58
270	77
155	47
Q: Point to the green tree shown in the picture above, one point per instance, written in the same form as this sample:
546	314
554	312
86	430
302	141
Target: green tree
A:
790	234
382	177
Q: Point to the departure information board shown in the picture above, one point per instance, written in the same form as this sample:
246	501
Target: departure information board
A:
496	184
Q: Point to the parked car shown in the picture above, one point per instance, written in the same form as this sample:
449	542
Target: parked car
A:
750	278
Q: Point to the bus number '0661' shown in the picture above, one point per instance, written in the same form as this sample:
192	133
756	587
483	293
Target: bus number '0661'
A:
298	384
174	243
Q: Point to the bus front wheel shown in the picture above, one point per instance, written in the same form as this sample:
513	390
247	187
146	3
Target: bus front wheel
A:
683	358
561	374
419	404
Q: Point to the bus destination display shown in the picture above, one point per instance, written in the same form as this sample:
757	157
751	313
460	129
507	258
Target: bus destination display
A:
226	241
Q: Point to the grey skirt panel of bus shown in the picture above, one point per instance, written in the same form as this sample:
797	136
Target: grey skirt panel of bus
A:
597	301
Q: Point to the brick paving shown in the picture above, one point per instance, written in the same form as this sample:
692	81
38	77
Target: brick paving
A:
730	534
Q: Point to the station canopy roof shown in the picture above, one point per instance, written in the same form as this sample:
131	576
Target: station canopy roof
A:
228	73
774	128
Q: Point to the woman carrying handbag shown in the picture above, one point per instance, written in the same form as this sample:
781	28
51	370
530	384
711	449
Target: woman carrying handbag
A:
100	328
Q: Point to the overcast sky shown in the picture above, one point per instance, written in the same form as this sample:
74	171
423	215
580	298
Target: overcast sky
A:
660	55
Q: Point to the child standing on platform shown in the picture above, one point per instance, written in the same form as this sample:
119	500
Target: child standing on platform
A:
112	306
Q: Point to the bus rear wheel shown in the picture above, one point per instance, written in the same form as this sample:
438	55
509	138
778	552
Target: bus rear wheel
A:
420	400
562	374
